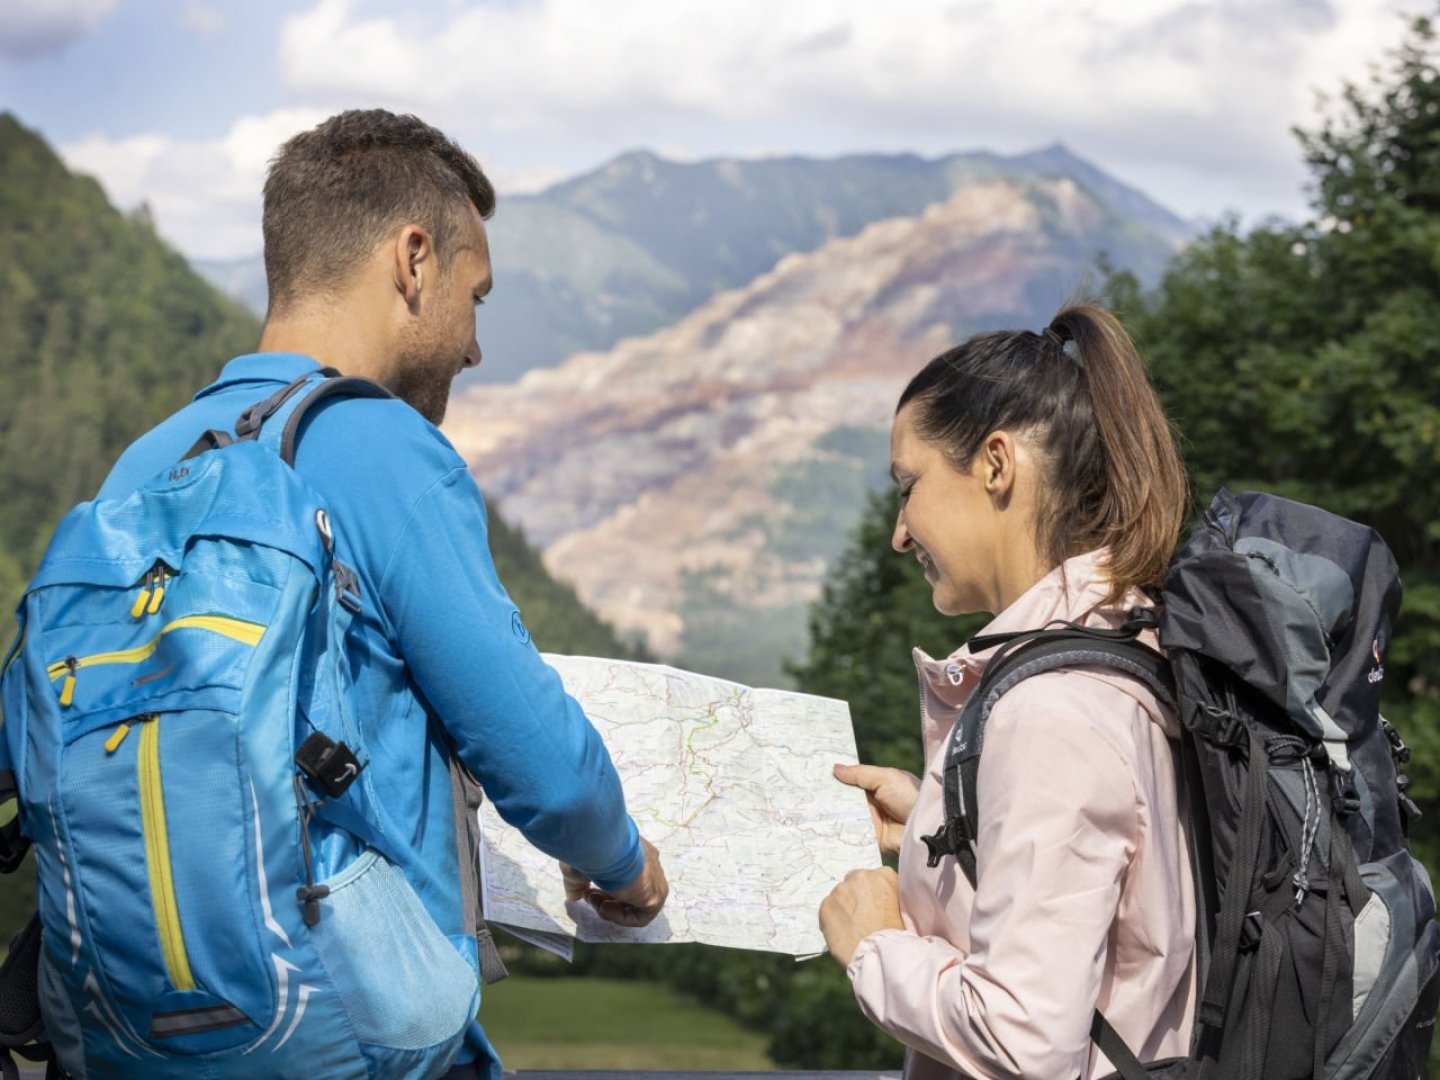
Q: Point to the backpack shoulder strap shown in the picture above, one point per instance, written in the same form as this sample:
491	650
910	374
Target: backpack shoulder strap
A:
275	420
1022	657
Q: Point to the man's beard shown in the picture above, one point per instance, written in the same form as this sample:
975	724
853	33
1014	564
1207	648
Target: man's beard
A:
423	382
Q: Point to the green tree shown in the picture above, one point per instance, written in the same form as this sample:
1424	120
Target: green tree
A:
1305	360
1299	359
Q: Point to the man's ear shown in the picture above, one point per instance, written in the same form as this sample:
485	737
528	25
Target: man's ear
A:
996	462
414	258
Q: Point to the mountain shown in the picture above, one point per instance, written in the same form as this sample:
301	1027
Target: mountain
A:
104	330
693	484
632	246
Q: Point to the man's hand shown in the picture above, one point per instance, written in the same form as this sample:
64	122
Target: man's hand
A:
891	795
866	901
635	905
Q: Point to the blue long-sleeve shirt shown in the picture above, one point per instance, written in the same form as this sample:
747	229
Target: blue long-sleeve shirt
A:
440	654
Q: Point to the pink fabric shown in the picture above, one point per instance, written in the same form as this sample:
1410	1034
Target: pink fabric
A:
1085	894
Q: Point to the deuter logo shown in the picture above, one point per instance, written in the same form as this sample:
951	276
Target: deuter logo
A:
1379	672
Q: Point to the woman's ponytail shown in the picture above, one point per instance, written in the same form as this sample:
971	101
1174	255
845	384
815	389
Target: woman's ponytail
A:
1114	477
1139	507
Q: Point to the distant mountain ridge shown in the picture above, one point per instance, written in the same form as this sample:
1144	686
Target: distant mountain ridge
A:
639	242
694	483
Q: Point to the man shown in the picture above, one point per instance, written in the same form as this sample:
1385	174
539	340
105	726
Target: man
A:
376	259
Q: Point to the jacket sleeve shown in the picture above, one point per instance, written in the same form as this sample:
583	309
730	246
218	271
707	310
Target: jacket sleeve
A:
528	742
1058	827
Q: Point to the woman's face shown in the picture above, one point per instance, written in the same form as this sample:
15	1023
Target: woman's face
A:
947	520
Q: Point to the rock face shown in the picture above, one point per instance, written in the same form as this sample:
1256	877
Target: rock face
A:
730	452
635	245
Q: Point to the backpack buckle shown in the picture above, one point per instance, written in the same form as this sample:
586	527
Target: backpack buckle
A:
329	764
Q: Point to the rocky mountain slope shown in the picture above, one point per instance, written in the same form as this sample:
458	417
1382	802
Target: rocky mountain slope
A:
634	245
703	476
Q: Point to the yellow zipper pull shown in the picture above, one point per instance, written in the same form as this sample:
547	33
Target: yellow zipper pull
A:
67	691
159	594
138	608
113	743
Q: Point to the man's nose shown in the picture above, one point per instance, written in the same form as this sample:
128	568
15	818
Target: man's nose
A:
472	355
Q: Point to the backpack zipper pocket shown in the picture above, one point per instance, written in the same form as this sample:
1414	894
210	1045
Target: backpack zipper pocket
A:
247	633
157	857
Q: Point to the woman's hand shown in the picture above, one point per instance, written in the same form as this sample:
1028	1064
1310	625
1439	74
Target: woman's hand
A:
866	901
891	795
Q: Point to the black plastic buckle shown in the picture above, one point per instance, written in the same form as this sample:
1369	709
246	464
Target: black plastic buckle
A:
945	840
329	764
1141	618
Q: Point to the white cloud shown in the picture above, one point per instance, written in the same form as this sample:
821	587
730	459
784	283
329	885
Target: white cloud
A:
203	20
30	29
1212	86
1191	100
205	194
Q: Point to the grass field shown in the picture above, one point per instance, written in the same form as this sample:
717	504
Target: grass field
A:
562	1023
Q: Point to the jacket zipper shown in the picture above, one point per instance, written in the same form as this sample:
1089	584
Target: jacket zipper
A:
157	856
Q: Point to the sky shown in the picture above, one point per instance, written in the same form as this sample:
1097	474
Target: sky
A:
180	103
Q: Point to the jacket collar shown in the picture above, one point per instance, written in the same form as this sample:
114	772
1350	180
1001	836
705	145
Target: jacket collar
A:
261	368
1072	592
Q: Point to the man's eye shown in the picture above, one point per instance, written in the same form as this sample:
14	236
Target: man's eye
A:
905	492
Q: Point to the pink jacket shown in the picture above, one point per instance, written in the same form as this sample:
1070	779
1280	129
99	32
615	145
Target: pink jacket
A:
1084	894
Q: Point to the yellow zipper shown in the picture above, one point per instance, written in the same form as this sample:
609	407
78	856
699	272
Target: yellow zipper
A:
246	633
157	858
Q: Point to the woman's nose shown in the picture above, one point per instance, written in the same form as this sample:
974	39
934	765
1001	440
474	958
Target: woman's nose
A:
900	538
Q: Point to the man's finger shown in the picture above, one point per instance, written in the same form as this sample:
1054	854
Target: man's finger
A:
619	912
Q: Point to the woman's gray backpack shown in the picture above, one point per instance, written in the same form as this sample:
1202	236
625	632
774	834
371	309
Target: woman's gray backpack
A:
1317	943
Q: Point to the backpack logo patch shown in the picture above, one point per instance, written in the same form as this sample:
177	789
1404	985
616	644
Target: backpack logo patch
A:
1379	672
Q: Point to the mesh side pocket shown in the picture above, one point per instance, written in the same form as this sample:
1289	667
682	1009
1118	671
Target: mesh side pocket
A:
401	982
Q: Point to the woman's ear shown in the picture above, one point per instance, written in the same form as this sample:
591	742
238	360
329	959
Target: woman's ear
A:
997	463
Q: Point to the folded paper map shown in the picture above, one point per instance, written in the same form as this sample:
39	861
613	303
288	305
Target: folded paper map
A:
733	785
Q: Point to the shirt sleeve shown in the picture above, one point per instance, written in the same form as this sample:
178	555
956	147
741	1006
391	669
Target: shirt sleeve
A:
1058	828
537	755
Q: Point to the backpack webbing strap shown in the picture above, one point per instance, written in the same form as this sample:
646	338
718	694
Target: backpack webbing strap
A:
348	385
252	419
1127	1065
1241	878
13	843
466	797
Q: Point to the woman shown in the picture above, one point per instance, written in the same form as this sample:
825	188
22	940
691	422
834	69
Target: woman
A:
1038	480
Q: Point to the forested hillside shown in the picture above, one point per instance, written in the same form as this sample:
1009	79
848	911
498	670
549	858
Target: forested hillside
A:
104	330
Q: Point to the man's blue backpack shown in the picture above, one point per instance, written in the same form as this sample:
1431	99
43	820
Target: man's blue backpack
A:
216	895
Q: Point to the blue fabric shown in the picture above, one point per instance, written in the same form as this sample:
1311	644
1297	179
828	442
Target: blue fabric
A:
439	654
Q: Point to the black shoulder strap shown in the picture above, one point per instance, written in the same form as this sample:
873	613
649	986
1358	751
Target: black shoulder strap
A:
248	426
347	385
1021	657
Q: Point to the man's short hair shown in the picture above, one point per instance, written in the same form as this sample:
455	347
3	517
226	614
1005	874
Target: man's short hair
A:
336	191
